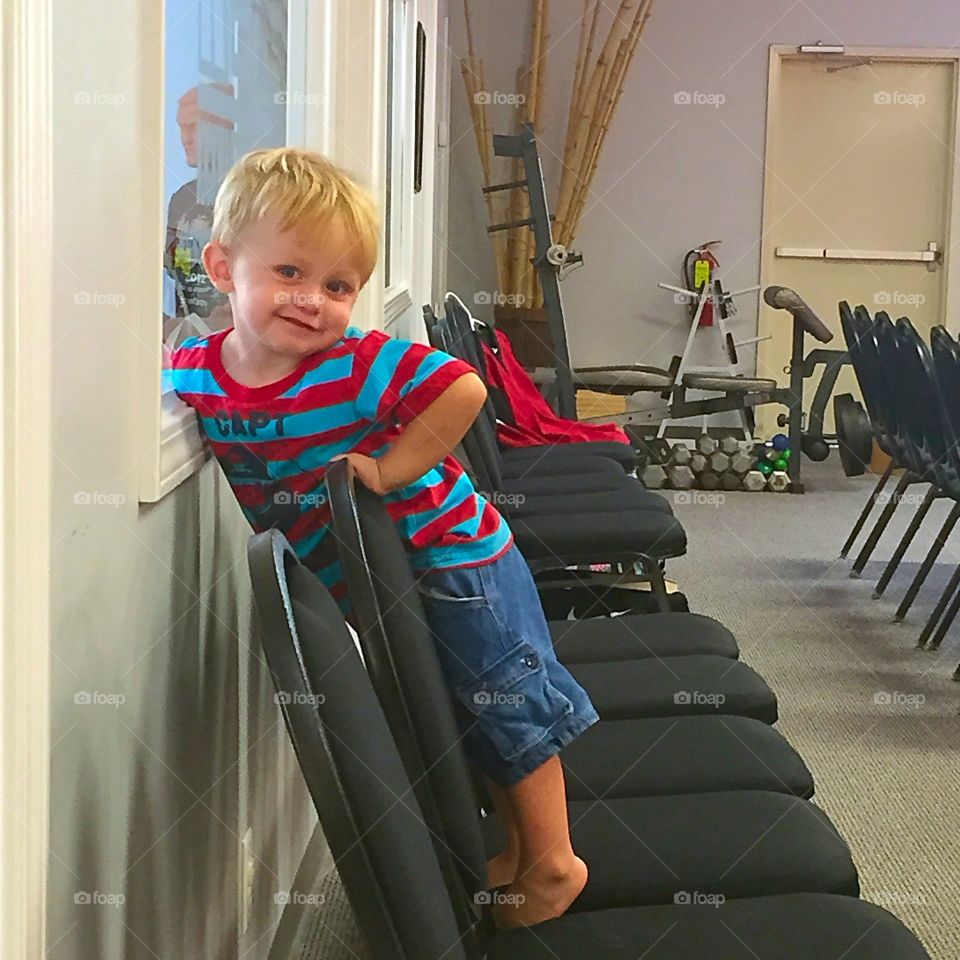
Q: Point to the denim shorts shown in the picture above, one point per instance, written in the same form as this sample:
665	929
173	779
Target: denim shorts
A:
516	705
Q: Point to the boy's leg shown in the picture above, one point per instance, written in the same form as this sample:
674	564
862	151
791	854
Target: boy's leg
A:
503	867
550	875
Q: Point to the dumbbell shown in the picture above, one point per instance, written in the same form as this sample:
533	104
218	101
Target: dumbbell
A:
719	462
754	481
741	462
731	481
680	454
710	480
680	477
654	476
698	462
778	482
706	444
730	445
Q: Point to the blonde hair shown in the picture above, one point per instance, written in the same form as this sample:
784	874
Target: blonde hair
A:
306	191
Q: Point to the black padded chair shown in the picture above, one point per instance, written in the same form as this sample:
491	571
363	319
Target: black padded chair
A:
385	854
622	690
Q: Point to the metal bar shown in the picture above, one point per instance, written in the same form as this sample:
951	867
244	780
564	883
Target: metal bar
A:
906	256
928	563
881	525
493	188
948	594
806	253
905	541
862	519
509	225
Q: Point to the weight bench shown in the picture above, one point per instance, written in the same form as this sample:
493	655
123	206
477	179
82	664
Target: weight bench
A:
413	899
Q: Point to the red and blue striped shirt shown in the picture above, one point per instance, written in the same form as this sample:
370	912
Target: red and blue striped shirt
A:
274	443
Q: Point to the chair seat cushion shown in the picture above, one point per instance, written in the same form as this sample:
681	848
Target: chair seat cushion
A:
636	636
795	926
622	380
560	540
555	464
646	850
639	758
676	686
626	499
621	453
541	483
706	381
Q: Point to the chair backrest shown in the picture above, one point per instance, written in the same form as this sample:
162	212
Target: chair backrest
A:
888	375
946	364
401	657
369	815
917	385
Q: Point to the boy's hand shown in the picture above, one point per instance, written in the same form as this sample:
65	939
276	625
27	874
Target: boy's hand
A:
367	469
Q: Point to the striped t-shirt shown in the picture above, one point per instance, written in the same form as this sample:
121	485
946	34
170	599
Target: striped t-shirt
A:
274	443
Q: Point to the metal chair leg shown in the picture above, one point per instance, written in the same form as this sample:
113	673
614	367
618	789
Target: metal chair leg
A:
905	542
881	525
928	563
951	592
658	587
862	519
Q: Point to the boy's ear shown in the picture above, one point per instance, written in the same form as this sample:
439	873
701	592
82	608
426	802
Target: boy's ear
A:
217	265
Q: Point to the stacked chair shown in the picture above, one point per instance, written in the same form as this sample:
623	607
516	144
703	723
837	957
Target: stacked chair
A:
691	810
570	506
911	392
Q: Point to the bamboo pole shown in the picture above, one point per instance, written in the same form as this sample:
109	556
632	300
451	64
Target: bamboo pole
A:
613	95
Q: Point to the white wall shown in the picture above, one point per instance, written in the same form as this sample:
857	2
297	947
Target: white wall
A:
671	176
151	603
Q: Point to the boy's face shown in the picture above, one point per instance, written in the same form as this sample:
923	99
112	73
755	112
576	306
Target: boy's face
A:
289	298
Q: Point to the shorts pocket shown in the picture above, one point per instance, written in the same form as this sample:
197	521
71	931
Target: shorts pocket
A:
514	702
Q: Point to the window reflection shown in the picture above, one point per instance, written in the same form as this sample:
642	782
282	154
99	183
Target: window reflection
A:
225	81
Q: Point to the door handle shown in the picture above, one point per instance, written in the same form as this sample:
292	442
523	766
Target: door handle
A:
931	256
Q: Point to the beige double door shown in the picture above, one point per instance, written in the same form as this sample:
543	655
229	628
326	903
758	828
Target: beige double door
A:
857	196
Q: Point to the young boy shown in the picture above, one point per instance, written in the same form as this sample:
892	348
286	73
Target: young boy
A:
290	387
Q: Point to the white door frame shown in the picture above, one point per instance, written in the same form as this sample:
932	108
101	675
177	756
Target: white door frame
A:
26	151
951	262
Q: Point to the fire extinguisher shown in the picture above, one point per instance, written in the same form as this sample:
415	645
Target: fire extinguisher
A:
699	266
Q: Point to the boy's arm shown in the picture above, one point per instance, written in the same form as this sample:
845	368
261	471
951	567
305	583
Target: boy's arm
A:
426	439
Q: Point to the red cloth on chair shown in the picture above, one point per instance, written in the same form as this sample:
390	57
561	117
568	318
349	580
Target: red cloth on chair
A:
536	423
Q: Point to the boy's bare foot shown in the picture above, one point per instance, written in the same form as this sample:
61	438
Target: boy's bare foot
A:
540	894
502	869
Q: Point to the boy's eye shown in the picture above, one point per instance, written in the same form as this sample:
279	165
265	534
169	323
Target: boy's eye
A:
287	270
339	286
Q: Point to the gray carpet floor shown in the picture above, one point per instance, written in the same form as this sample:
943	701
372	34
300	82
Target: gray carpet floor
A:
875	719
